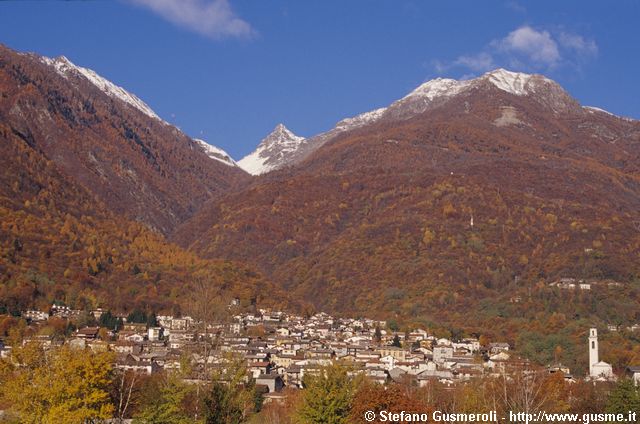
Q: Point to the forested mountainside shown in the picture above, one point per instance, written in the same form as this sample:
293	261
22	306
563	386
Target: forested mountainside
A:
109	141
459	208
88	184
59	243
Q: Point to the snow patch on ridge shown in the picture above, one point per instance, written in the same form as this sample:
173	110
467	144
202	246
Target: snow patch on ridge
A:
439	87
216	153
64	67
592	109
512	82
360	120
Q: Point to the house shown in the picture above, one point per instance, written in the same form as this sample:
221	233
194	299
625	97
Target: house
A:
64	311
552	369
320	354
570	284
272	381
88	333
133	337
559	368
98	345
427	376
441	353
634	374
498	347
154	333
397	353
293	376
137	363
35	315
135	327
399	375
125	346
500	356
258	368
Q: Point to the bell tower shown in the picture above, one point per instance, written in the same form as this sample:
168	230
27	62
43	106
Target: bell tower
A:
593	349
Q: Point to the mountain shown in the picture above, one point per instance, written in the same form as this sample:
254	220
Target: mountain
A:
447	205
282	148
273	152
425	97
88	174
109	140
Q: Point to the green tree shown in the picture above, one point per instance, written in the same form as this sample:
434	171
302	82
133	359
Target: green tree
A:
109	321
152	321
232	397
169	406
137	316
328	396
377	336
624	397
396	341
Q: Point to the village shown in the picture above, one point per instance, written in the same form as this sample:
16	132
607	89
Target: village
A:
279	348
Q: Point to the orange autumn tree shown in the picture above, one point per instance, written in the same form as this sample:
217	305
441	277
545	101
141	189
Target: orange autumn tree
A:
393	398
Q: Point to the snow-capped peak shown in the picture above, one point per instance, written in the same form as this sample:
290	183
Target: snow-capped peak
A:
516	83
216	153
272	152
281	134
65	67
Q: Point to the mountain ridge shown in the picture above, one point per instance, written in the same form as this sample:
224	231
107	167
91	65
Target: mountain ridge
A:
109	140
424	97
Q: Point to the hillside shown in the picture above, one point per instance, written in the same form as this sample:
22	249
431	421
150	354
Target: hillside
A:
90	180
109	141
59	243
447	209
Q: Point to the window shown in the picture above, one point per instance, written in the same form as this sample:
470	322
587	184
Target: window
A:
593	345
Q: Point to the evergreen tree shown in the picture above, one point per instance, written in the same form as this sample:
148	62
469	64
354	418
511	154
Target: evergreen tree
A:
108	320
152	321
396	341
377	336
624	397
137	316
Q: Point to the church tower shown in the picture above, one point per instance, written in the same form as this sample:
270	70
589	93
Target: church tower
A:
593	350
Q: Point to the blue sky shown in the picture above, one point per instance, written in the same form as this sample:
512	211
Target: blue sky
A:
229	70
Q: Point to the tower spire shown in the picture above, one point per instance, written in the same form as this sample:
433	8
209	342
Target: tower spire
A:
593	350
